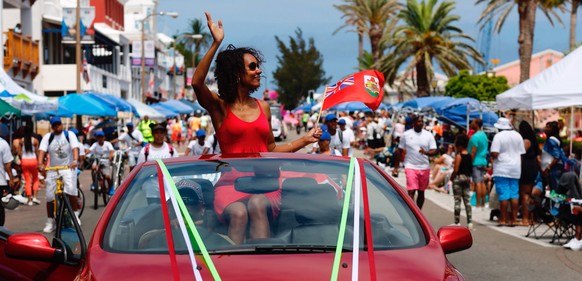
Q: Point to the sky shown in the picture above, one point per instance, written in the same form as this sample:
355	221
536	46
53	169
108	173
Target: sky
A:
255	23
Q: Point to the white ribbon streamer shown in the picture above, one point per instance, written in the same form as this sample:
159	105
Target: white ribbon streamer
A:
356	242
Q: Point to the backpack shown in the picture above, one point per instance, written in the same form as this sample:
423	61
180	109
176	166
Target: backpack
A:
52	137
147	151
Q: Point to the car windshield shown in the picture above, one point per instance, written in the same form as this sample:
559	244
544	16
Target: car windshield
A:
276	111
305	201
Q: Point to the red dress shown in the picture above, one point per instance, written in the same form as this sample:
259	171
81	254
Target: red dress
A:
238	136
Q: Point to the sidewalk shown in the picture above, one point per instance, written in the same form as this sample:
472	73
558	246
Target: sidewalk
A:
481	218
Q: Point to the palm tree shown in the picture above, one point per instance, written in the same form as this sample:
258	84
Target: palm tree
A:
573	18
196	28
527	13
370	17
427	34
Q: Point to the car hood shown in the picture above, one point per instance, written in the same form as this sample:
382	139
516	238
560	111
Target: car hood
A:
424	263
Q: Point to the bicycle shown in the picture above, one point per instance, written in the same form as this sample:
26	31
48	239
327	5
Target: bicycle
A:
62	203
100	187
119	159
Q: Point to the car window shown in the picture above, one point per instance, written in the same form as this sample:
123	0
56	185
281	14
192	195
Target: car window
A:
305	199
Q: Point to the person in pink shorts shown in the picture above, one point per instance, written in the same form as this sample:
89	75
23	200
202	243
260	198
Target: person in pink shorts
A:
419	145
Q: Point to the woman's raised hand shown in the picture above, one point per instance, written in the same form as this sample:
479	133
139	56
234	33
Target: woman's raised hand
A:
216	30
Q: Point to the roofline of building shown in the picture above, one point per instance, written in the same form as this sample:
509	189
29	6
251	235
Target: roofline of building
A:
538	54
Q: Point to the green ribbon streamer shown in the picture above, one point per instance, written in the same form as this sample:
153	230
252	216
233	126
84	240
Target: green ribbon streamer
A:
189	222
343	222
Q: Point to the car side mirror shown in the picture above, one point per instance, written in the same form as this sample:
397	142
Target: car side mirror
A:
455	238
32	246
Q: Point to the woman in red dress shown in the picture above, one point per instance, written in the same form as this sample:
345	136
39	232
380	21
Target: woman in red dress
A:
243	125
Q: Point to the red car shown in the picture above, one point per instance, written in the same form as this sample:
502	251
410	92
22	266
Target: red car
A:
312	234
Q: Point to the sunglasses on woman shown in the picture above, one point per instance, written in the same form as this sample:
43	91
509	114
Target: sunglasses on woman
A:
253	66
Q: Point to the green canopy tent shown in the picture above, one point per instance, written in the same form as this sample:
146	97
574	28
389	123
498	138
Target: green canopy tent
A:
8	111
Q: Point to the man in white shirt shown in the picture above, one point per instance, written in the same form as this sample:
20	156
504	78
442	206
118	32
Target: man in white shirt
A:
134	139
419	145
103	152
5	186
196	146
338	145
506	150
347	135
63	149
211	145
158	149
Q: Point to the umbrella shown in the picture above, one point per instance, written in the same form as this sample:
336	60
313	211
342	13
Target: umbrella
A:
273	95
85	105
356	106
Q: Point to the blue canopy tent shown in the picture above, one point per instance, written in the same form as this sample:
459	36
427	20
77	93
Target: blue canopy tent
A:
306	107
168	113
464	112
117	103
62	111
356	106
194	105
423	102
85	105
176	106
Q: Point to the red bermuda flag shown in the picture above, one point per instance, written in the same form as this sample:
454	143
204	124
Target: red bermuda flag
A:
365	86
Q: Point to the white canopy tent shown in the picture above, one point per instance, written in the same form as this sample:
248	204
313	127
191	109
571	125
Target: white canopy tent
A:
558	86
27	102
144	109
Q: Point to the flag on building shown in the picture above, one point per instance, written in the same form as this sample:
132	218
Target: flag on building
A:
150	92
365	86
85	69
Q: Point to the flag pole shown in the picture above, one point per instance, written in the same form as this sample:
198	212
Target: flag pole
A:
321	108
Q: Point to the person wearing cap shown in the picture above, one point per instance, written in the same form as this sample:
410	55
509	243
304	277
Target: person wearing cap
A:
62	148
144	126
323	143
419	145
158	148
339	144
103	152
193	197
133	139
196	146
506	150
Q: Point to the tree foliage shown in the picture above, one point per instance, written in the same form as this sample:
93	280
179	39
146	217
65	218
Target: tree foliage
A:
479	87
300	69
428	34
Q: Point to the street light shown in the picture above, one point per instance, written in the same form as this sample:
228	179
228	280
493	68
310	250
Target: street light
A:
171	14
193	36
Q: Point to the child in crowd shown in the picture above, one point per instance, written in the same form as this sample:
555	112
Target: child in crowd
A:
461	178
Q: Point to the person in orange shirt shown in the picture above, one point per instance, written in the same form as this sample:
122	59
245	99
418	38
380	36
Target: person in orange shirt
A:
437	128
193	125
177	132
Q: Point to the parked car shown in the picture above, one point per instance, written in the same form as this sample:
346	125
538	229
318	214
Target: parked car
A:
312	206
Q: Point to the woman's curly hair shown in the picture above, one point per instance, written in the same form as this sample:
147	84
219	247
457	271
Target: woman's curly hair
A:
229	67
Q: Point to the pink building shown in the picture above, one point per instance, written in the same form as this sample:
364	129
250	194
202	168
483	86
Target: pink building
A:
539	62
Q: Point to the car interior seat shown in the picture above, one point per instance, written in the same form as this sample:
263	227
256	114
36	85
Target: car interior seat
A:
136	223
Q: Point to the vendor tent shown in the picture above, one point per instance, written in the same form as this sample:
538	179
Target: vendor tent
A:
144	109
176	106
116	103
27	102
166	112
85	105
195	105
558	86
357	106
8	111
423	102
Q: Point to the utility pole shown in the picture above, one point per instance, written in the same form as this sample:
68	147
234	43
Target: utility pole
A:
79	120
